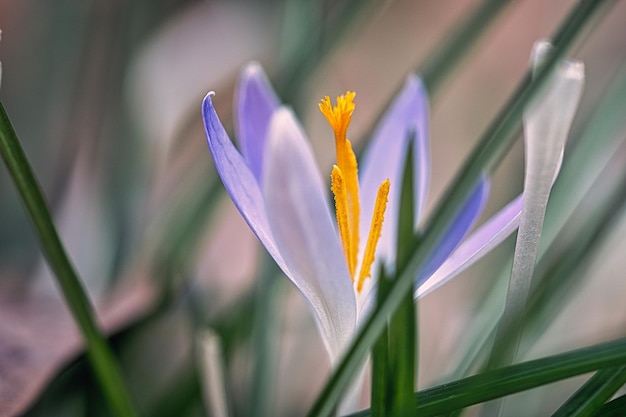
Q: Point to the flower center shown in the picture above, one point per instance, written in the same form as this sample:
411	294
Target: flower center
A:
345	188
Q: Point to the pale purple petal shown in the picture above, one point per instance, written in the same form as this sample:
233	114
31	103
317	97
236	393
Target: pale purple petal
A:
384	158
477	245
256	101
303	228
464	220
238	179
421	150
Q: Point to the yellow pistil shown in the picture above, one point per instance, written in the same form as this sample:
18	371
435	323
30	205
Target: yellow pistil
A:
375	229
345	187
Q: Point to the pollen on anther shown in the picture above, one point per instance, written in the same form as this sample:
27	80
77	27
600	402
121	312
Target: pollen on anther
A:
338	187
375	231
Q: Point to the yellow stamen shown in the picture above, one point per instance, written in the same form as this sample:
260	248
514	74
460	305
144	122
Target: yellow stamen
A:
338	188
375	229
352	188
345	187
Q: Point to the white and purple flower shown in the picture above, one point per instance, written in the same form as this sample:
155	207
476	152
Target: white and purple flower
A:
278	188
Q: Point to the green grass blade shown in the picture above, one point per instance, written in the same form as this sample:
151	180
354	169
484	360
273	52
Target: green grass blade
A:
380	393
512	379
445	57
491	148
103	362
264	339
403	330
591	396
614	408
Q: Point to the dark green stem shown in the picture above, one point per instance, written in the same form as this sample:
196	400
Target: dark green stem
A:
101	357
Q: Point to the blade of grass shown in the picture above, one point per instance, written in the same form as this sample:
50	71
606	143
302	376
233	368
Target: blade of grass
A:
509	380
446	56
491	148
591	396
380	393
265	331
448	53
101	357
403	331
614	408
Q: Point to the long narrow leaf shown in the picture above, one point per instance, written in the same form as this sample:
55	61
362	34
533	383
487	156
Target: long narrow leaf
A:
516	378
101	357
590	397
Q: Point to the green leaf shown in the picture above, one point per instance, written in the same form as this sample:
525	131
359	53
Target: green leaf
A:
102	360
487	386
403	325
614	408
395	353
444	58
590	397
265	330
380	389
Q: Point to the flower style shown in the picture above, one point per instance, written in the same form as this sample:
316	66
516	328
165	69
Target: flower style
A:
277	187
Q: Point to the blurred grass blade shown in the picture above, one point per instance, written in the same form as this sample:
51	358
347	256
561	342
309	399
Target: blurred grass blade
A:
614	408
491	148
101	357
214	391
591	396
487	386
313	47
264	338
446	56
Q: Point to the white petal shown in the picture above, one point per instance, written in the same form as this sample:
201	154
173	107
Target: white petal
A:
548	119
299	216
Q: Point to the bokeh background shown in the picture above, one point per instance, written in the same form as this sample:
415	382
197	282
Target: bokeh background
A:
105	97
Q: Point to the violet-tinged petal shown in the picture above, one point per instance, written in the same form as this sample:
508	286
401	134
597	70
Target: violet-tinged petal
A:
475	246
467	215
421	150
256	101
238	180
299	215
384	158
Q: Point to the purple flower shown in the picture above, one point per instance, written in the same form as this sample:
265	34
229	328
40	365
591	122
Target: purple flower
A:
278	188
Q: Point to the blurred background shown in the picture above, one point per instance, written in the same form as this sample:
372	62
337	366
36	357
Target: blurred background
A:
105	98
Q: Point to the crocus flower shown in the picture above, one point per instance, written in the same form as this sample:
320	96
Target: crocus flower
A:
277	186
